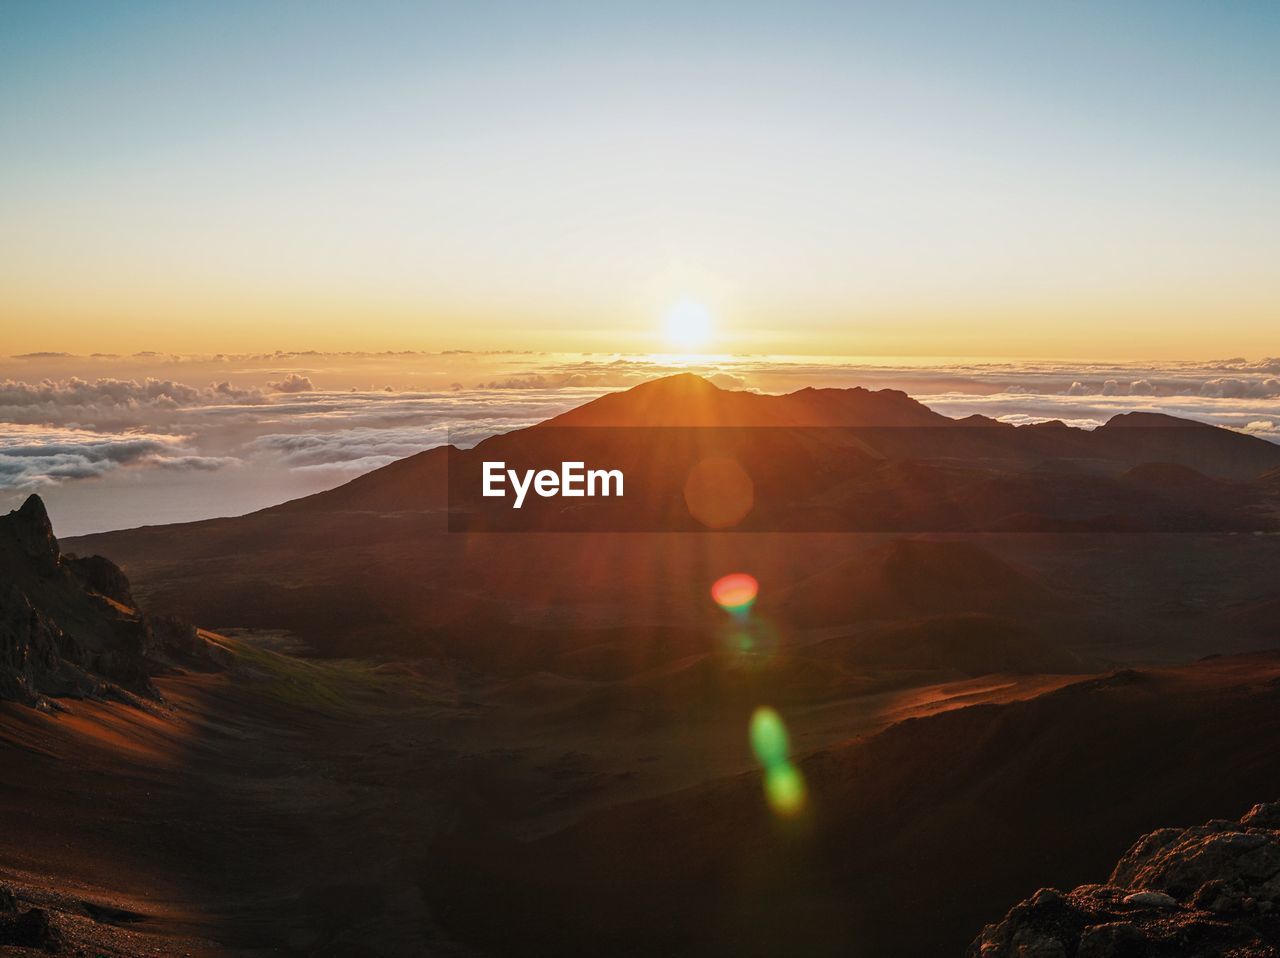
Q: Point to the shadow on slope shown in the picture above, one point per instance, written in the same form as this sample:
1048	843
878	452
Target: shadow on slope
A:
911	837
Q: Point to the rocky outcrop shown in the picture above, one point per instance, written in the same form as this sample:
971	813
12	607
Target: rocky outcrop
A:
1210	891
30	929
25	928
69	626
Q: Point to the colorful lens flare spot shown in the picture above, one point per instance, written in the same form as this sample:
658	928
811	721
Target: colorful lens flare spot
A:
769	738
735	593
784	787
747	641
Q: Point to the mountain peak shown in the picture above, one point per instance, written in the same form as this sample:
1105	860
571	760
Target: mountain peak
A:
680	381
1150	419
687	399
681	399
29	527
34	508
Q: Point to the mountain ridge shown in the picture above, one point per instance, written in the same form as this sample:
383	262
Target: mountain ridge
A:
376	564
884	424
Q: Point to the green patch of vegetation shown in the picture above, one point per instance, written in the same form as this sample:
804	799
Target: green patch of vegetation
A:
328	686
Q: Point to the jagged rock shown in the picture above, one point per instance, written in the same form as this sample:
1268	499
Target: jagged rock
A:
102	576
177	638
1202	892
69	626
31	929
1116	939
1246	859
1263	815
32	532
1035	945
8	903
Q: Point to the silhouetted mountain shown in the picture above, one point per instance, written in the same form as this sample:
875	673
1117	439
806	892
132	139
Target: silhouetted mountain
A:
968	643
372	566
420	482
1155	437
560	764
68	625
928	576
848	459
688	400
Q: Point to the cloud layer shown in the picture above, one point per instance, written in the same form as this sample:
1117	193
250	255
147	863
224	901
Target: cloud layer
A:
274	426
33	456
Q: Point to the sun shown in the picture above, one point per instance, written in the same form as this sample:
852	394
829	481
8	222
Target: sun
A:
688	324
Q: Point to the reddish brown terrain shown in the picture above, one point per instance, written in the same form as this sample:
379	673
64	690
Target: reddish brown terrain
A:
988	646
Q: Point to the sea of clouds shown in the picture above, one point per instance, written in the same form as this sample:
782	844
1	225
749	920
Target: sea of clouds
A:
120	441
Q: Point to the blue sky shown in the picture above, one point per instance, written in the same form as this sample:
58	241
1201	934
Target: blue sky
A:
1046	178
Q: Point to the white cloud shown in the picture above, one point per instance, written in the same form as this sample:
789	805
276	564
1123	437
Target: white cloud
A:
112	402
144	427
36	456
120	392
293	383
348	445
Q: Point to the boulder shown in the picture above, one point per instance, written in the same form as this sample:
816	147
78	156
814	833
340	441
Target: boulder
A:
1201	892
30	929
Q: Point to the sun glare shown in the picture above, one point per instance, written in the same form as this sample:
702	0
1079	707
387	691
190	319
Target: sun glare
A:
688	324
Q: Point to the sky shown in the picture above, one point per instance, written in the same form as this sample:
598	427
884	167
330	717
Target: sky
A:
249	251
1084	181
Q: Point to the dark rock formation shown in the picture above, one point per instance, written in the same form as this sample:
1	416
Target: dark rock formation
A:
69	626
1203	892
29	929
102	576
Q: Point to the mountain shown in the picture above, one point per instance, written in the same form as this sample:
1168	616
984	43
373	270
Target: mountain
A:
69	626
688	400
930	576
683	401
1199	892
397	562
1155	437
963	644
980	640
823	434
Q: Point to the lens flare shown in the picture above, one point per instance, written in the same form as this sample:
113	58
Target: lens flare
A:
719	493
769	738
735	593
784	787
747	641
